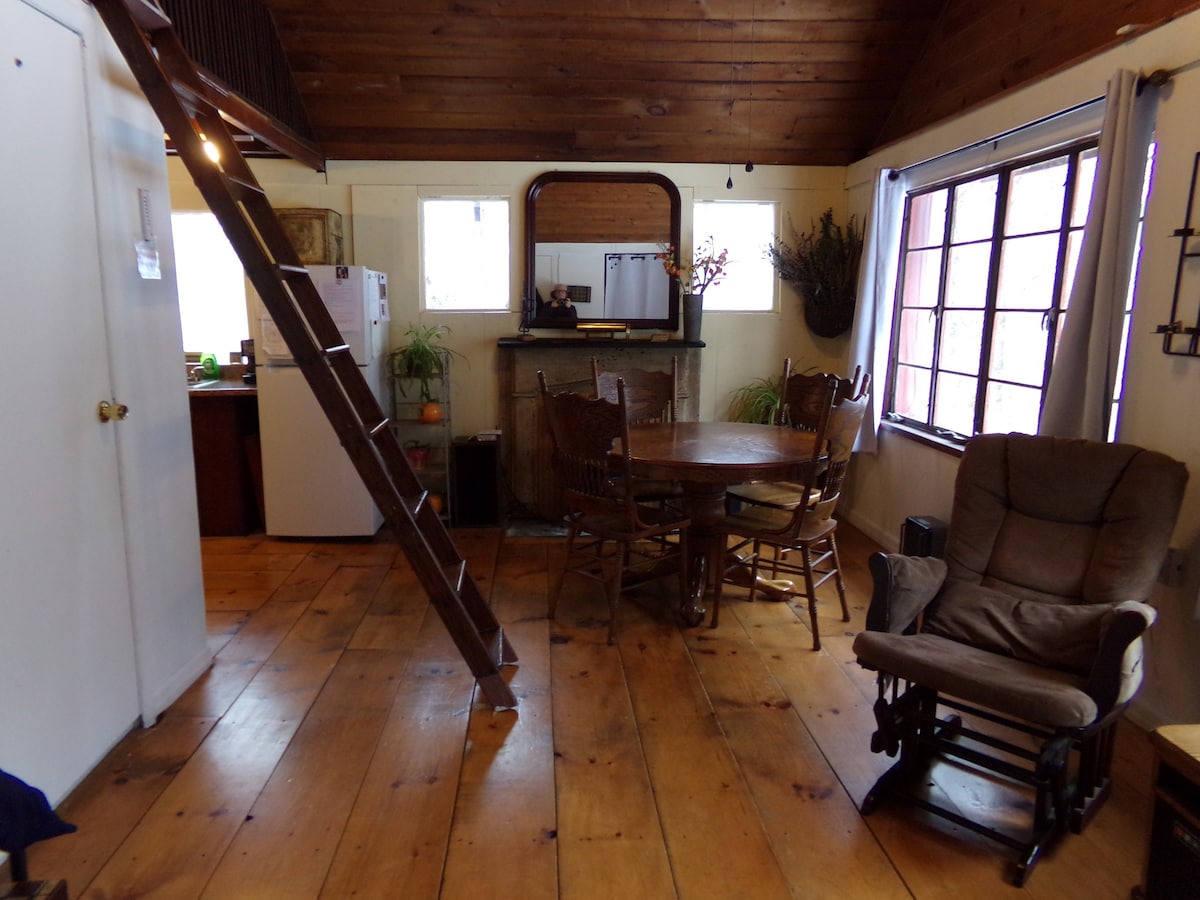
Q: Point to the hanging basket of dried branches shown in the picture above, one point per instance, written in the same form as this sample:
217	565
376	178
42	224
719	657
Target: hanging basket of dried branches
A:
822	265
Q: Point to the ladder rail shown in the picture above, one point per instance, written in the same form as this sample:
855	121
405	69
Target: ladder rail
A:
180	97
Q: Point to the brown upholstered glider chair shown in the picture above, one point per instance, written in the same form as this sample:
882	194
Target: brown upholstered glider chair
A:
611	537
759	525
1032	623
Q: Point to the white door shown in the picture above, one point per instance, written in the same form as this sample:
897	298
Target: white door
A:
68	687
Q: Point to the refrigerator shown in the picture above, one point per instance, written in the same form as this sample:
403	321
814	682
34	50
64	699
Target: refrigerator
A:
310	487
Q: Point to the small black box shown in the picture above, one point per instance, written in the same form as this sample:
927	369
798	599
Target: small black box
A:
475	501
923	536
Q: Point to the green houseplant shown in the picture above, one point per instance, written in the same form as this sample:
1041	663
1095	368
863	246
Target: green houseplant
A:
422	359
758	401
822	265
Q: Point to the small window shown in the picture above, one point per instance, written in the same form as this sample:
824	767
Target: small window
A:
745	229
466	254
211	284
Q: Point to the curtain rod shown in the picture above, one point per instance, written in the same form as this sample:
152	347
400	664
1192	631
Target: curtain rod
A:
896	173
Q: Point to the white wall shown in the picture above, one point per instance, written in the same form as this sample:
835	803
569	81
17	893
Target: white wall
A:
907	478
380	201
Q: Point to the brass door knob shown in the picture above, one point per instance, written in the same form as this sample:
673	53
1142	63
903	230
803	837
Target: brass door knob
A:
112	411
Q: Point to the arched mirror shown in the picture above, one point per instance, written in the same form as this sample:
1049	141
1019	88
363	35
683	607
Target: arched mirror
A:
597	233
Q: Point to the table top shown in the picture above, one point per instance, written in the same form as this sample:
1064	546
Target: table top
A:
718	452
1179	745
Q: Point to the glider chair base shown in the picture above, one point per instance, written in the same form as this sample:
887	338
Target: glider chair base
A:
1065	797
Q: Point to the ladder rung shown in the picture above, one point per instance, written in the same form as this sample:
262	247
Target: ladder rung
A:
336	349
379	426
456	573
287	271
243	190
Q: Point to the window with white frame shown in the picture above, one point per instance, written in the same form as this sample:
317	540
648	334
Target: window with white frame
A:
745	229
465	253
986	265
211	284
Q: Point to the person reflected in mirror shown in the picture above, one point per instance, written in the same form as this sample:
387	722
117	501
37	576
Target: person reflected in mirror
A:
560	306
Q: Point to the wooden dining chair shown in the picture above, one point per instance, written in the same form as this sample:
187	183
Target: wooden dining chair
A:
753	526
612	538
649	396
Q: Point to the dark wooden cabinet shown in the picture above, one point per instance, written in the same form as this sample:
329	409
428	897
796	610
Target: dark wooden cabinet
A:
228	460
1173	867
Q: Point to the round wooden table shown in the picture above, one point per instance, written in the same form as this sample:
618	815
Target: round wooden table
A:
705	457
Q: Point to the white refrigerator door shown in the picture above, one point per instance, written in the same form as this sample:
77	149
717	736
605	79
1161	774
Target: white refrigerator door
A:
356	298
310	487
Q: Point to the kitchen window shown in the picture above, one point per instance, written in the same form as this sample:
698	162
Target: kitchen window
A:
465	254
211	284
985	273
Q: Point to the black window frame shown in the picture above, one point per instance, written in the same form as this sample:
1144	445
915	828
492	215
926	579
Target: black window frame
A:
1052	314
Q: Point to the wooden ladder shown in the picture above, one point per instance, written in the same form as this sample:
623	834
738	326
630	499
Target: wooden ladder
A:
188	104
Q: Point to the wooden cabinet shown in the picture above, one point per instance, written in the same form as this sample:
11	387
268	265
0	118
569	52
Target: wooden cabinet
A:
228	460
1173	867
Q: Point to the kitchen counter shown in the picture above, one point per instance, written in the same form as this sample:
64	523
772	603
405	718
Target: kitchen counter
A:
228	459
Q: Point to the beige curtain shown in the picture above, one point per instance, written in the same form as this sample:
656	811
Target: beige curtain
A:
1079	397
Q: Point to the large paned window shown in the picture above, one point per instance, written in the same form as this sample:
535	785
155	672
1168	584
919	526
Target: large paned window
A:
745	229
465	253
986	266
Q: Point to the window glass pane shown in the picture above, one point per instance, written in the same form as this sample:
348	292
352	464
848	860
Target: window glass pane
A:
1085	177
974	210
744	229
912	393
922	272
961	345
927	219
465	254
954	409
1018	348
1010	407
918	329
1035	197
967	275
1027	268
212	286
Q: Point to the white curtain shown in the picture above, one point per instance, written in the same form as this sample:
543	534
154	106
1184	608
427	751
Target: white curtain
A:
1079	396
870	338
630	281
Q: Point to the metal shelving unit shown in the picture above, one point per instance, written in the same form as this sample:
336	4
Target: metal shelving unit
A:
432	469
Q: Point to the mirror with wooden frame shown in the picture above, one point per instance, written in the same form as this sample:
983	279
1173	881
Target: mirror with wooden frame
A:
597	233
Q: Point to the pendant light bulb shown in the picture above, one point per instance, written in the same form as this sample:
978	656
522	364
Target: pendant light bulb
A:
729	183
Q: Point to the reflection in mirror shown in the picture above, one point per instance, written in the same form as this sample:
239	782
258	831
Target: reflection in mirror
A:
597	233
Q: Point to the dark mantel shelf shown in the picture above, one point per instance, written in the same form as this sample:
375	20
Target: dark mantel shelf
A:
608	343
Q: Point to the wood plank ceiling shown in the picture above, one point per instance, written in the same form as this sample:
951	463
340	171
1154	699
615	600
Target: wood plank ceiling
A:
789	82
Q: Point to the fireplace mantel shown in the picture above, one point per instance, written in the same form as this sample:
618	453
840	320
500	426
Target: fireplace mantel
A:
567	363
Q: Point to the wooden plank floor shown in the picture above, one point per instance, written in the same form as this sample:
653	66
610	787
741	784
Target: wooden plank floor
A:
337	749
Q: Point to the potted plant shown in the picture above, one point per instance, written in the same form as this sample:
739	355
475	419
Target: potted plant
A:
758	401
417	453
422	359
822	265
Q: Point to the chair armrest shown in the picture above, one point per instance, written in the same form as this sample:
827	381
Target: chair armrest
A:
904	586
1117	671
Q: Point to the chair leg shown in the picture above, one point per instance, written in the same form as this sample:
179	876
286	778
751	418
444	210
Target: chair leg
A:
810	592
837	578
556	586
613	585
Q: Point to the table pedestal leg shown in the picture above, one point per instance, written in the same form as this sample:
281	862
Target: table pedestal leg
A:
706	508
